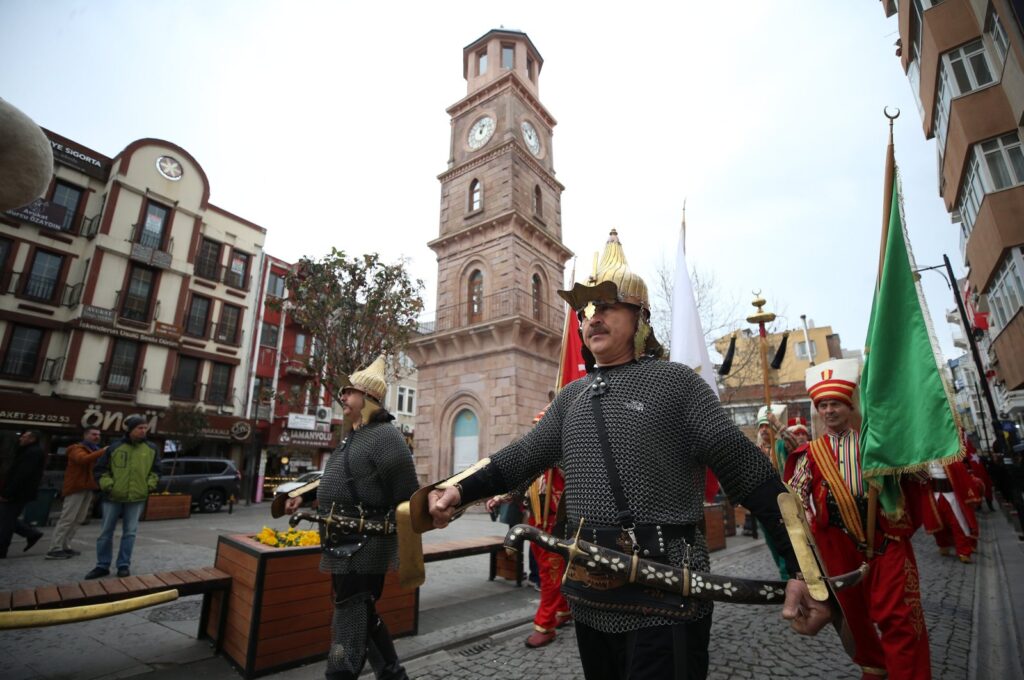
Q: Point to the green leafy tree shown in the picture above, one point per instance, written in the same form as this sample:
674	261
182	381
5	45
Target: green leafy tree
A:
355	309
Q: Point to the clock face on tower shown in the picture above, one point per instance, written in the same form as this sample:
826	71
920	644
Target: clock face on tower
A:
531	138
481	132
169	168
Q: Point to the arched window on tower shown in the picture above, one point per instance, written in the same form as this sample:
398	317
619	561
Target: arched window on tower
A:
476	195
537	295
538	201
465	440
475	297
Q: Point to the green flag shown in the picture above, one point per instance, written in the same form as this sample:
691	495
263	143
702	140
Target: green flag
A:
907	417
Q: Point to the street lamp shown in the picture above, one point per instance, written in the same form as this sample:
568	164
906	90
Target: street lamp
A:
951	282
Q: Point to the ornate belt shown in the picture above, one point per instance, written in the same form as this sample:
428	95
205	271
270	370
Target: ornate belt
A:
597	568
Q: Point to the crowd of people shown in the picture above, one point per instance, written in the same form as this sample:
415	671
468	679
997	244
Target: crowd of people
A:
121	475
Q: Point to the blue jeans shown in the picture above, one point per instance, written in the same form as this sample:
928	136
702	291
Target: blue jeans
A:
112	511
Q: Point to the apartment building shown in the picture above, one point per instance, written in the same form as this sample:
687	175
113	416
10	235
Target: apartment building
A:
965	63
125	290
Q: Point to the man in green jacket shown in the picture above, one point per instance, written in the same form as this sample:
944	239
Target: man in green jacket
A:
126	474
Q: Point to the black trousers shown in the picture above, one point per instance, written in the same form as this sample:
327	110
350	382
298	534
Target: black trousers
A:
374	642
676	652
11	523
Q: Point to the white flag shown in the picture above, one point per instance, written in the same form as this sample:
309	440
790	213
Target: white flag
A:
688	345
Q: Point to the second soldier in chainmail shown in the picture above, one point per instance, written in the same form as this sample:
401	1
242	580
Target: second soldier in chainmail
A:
633	438
368	475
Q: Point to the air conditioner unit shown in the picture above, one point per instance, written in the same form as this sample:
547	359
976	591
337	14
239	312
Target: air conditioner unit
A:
324	414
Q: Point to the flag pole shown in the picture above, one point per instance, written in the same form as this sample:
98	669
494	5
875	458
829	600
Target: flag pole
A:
565	335
807	339
887	189
761	317
887	194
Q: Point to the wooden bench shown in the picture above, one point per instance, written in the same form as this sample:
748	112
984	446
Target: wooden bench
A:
502	564
203	581
400	608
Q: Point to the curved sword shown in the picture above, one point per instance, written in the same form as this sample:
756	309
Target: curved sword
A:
633	569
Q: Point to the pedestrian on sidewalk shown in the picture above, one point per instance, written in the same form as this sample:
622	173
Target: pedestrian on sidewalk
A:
366	477
633	438
77	492
19	489
126	473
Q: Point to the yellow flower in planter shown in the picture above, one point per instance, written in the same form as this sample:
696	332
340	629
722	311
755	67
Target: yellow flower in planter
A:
286	539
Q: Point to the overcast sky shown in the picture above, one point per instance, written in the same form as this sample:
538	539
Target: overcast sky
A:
766	117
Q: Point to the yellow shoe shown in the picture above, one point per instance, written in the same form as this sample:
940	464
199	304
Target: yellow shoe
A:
966	559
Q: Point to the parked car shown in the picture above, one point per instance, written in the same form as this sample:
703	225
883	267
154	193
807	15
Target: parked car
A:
304	479
210	481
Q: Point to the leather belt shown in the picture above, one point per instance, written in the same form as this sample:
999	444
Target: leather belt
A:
942	485
836	519
652	538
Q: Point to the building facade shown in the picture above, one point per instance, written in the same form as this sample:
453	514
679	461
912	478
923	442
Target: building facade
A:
965	63
296	423
124	290
488	361
742	390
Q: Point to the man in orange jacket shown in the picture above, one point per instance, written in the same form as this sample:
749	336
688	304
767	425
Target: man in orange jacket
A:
77	492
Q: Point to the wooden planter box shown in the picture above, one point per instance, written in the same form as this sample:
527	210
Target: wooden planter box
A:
170	506
280	606
730	518
714	526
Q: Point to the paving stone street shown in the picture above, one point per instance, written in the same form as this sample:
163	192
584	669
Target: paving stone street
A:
474	628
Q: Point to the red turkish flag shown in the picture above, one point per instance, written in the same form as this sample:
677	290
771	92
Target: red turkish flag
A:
571	361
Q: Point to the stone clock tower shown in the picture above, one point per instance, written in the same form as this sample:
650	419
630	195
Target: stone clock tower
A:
489	360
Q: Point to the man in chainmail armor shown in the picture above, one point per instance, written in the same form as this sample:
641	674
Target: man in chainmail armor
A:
370	472
633	438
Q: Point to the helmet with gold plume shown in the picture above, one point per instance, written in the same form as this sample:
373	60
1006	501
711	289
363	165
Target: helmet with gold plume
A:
615	282
371	382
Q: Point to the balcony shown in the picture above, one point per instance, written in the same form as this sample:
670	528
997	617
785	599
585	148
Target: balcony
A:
146	248
222	274
1008	348
42	289
229	334
213	394
502	305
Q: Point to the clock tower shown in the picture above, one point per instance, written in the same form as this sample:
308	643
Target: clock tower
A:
489	360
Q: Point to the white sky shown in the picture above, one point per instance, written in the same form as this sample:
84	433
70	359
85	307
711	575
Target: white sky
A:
325	123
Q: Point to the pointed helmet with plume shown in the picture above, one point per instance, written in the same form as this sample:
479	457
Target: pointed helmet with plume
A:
615	282
371	382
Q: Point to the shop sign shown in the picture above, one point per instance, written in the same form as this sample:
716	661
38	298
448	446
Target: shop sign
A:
98	314
42	213
37	411
125	333
311	438
79	160
301	421
166	330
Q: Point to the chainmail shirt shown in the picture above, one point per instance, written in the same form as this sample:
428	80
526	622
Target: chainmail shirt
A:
664	425
383	475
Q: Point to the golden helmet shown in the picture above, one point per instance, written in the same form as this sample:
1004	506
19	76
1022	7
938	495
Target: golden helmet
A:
614	282
370	380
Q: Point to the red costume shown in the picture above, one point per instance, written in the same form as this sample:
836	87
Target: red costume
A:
543	499
977	468
949	509
826	474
